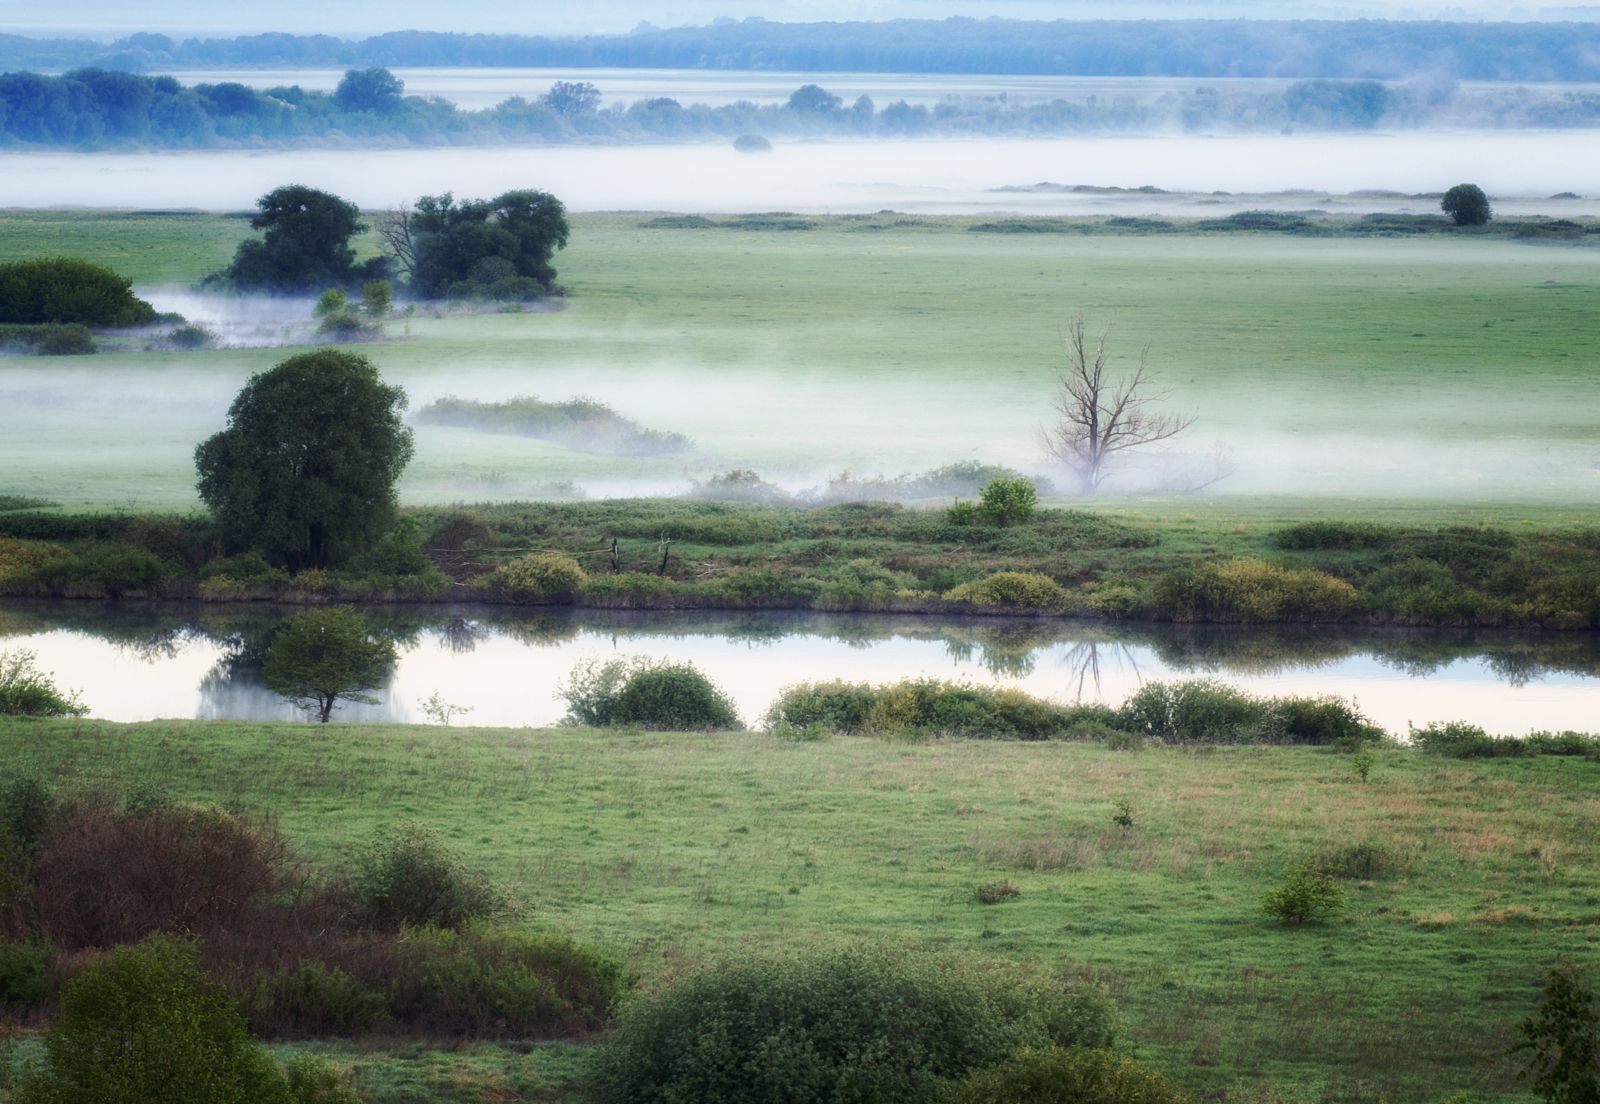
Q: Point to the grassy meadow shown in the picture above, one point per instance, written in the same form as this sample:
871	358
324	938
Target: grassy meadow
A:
1465	881
1448	373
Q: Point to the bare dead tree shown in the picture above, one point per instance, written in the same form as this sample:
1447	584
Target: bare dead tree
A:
396	230
1098	415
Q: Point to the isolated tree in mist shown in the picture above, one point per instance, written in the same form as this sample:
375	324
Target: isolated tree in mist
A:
305	470
324	656
1466	205
569	99
369	90
305	244
1099	415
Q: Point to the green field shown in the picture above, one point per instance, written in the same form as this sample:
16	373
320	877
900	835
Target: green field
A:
1440	373
675	849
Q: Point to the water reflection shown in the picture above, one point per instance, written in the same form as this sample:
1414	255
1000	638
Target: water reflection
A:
140	662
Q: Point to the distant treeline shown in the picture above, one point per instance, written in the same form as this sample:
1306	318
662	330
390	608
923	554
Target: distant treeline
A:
98	108
1352	49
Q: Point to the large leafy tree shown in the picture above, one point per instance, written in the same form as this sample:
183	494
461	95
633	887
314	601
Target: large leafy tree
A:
324	655
305	243
1466	205
305	470
469	247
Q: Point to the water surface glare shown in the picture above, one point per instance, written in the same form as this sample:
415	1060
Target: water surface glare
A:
183	662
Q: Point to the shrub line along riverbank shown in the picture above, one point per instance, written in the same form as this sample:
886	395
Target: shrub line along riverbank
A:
654	554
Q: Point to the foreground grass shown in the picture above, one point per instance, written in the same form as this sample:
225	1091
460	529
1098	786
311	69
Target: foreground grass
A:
676	848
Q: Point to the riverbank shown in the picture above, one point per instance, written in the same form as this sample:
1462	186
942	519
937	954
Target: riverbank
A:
1473	877
666	554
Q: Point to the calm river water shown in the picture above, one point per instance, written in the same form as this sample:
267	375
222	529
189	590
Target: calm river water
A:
143	663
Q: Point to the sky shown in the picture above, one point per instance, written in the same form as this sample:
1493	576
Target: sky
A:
110	18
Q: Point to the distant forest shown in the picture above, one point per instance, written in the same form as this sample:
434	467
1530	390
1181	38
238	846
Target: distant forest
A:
96	108
1354	49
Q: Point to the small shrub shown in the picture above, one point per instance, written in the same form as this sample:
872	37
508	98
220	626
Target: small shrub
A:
1008	501
1248	590
24	975
246	573
1057	1076
993	893
313	1000
489	982
849	1027
540	577
404	876
1361	764
961	514
1562	1041
1305	896
1123	817
654	694
834	706
18	558
191	337
312	1079
1461	740
1013	590
145	1024
26	691
66	341
1196	711
27	806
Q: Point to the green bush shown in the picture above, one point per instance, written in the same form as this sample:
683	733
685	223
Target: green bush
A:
145	1024
1325	536
313	999
1460	740
1008	501
1206	711
630	590
66	341
1058	1076
27	805
26	691
490	982
100	571
404	876
244	574
654	694
63	289
24	975
1306	895
1248	590
1013	590
933	707
312	1079
1562	1041
540	577
848	1027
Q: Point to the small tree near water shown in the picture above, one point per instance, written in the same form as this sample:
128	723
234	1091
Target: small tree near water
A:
324	656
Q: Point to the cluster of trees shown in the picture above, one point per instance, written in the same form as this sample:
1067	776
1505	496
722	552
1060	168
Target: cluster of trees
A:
1175	47
64	290
90	108
498	248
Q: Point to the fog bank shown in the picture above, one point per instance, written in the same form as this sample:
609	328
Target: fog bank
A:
1518	168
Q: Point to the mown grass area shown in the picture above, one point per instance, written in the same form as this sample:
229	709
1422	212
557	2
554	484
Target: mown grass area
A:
1465	880
1449	371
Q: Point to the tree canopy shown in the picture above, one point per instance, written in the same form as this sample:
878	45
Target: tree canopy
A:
305	471
1466	205
324	655
65	290
499	248
305	244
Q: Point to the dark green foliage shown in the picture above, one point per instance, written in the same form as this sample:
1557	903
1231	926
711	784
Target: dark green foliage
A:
1328	535
65	290
24	972
497	248
1248	590
27	805
1337	105
1305	896
994	893
582	424
66	341
369	90
145	1024
322	656
1206	711
491	982
11	502
305	244
654	694
1062	1076
241	575
98	571
404	876
26	691
313	999
312	1079
305	470
1008	501
849	1027
1466	205
1562	1041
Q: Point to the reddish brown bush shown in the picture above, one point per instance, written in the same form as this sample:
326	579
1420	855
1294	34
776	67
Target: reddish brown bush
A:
105	876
